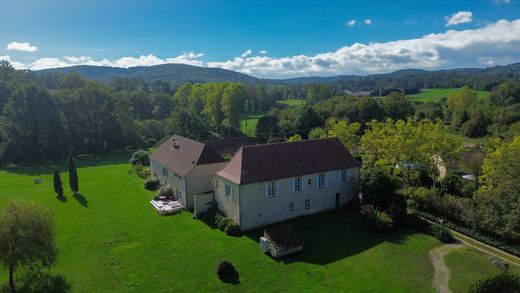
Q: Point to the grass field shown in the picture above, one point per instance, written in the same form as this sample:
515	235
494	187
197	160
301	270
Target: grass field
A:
248	122
292	102
434	95
467	266
111	240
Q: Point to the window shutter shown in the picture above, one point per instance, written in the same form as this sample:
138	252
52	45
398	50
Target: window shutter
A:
277	188
232	190
266	189
316	182
339	176
293	185
326	179
302	183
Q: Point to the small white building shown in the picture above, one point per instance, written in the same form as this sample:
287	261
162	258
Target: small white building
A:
269	183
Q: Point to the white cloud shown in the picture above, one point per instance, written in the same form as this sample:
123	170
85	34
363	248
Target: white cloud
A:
351	22
459	17
246	53
503	2
25	47
367	21
263	52
494	44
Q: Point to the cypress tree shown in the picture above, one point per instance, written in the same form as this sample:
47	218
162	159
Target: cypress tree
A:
73	175
58	188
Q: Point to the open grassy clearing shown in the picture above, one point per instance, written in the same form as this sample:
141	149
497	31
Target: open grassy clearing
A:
467	266
434	95
292	102
248	122
111	240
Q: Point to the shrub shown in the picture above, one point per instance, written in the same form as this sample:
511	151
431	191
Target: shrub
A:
142	172
232	229
442	233
140	157
414	222
377	220
452	184
152	183
226	271
377	186
166	190
503	282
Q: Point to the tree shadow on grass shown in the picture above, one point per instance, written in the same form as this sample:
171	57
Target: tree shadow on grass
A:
81	199
332	236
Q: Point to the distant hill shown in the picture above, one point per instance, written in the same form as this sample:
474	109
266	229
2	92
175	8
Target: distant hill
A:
174	73
408	80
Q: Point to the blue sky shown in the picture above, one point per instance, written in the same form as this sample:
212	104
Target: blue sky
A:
285	38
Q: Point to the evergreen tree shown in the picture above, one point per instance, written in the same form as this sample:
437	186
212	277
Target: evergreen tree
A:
58	188
73	175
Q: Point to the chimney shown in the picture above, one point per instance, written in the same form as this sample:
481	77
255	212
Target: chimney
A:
174	143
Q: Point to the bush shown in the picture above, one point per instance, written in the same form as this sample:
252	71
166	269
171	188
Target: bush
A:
142	172
232	229
140	157
452	184
504	282
226	271
152	183
442	234
166	190
377	220
414	222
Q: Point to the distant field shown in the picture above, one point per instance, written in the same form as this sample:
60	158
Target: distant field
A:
248	122
434	95
292	102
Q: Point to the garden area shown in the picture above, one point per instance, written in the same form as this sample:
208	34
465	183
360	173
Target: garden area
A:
112	241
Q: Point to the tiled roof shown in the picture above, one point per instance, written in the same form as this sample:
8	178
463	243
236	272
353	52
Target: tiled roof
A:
185	155
264	162
228	146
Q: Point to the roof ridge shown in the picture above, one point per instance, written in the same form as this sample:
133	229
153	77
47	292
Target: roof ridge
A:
290	142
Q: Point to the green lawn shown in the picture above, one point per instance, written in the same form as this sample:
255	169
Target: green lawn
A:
292	102
115	242
467	266
434	95
248	122
111	240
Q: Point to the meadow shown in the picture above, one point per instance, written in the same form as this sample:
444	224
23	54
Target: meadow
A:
434	95
111	240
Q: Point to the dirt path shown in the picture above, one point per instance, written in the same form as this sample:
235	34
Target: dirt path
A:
441	275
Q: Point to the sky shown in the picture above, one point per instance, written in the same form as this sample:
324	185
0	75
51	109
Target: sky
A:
273	39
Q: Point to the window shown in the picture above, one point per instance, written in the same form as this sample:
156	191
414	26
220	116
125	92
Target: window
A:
307	203
321	180
343	176
291	206
165	172
216	183
227	191
297	184
271	189
309	181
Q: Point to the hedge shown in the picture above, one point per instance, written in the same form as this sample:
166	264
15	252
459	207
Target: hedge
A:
510	248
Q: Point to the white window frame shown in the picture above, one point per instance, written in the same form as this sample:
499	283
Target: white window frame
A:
321	180
271	189
343	176
307	204
228	191
297	184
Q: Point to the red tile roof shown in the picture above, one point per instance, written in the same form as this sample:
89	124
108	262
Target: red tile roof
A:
264	162
185	155
228	146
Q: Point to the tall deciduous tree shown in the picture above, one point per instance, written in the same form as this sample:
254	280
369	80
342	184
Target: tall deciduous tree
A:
498	197
233	103
346	132
58	186
26	237
73	175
